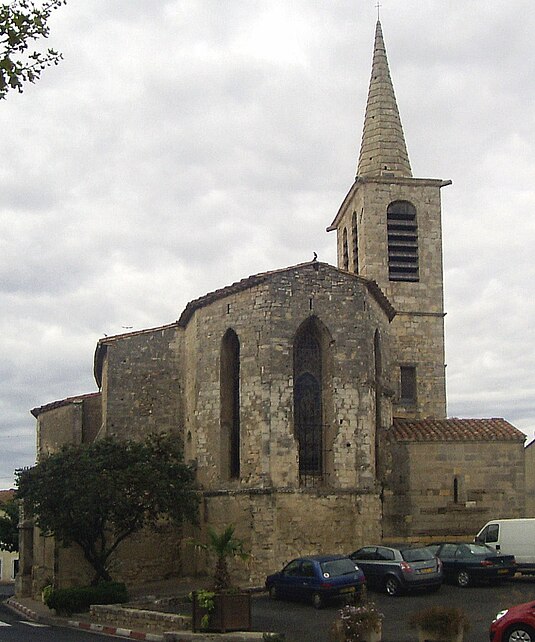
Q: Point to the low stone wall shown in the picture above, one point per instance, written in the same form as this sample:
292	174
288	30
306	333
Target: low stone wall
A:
139	619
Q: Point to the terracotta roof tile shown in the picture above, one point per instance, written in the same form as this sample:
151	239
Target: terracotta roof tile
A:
6	495
62	402
456	430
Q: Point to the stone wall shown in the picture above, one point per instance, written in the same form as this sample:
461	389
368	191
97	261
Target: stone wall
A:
278	526
151	621
60	426
72	421
446	489
142	386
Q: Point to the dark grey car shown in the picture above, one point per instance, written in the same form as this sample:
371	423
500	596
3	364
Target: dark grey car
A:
395	569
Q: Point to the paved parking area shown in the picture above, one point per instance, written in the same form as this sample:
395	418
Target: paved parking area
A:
302	623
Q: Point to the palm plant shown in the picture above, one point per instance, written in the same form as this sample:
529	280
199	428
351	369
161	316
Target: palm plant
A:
224	546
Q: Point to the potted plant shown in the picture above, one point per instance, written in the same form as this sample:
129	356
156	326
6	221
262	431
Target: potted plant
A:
360	622
443	623
223	608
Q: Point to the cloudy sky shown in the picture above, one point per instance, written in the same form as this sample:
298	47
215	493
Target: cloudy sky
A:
184	144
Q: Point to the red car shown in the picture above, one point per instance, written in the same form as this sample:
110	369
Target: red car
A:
516	624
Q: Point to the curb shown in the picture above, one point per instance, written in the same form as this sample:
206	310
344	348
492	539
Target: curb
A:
23	610
86	626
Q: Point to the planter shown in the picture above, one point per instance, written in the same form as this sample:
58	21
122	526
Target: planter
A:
357	624
229	612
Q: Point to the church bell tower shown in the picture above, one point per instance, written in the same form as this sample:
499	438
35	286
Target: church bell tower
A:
389	230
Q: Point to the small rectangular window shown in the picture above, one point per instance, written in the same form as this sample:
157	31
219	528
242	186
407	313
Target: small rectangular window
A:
408	385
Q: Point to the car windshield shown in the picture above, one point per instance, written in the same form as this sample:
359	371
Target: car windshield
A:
341	566
417	554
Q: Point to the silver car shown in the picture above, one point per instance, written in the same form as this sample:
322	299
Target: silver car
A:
395	569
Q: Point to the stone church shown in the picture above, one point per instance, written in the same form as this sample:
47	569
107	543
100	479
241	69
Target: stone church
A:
310	399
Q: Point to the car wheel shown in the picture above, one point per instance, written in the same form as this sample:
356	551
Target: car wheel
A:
392	586
463	579
317	600
520	633
273	593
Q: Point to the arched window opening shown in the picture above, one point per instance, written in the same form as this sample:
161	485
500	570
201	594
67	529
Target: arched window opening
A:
308	410
378	394
230	405
345	251
355	243
455	490
402	242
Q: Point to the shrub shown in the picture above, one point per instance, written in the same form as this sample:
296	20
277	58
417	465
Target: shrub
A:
79	599
441	620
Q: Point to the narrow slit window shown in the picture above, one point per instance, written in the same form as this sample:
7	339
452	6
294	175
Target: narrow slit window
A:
354	232
345	251
408	385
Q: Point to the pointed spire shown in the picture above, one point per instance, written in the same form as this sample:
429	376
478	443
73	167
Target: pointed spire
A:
383	150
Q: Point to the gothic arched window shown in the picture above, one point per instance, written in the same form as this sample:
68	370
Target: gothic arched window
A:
402	242
308	411
230	405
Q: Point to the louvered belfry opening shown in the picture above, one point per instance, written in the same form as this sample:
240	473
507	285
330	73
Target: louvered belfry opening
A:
402	242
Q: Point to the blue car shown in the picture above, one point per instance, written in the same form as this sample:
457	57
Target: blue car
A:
317	579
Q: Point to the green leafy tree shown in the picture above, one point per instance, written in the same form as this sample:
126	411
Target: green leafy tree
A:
22	22
9	520
224	546
97	495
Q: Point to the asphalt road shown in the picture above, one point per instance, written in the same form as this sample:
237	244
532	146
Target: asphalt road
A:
303	623
14	628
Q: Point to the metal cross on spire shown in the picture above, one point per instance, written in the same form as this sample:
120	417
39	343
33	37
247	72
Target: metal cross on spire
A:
378	7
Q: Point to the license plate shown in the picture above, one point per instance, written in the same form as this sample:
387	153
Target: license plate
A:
427	570
348	589
502	571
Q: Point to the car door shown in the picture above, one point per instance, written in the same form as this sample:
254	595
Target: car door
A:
288	580
308	580
366	559
447	554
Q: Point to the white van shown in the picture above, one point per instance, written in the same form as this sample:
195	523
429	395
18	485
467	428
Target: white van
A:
512	537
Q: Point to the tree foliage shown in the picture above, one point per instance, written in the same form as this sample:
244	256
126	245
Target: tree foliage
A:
22	22
9	520
96	495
